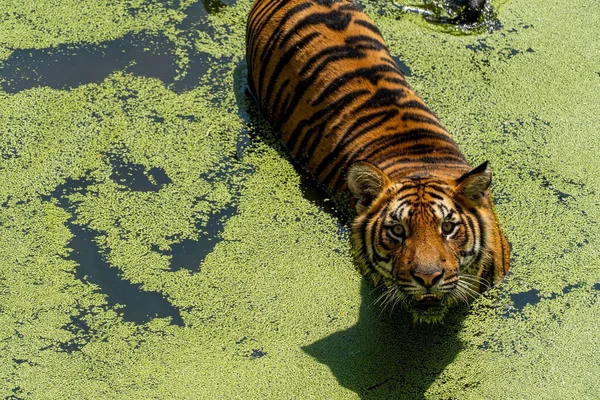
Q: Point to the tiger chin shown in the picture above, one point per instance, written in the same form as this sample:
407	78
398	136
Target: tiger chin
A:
434	242
324	79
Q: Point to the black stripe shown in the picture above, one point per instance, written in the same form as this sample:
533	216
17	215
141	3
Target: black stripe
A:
411	116
406	196
335	20
271	43
260	15
437	197
399	81
425	148
350	7
431	160
301	89
286	58
368	25
466	238
383	97
340	147
373	74
353	132
332	109
383	142
253	30
354	39
273	108
375	227
332	53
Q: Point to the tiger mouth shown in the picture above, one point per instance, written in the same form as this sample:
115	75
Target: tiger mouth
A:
427	301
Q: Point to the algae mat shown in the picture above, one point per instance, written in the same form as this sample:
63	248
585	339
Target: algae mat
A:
156	243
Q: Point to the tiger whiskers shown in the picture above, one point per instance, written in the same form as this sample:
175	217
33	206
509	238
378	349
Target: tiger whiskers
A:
475	280
457	294
392	295
466	288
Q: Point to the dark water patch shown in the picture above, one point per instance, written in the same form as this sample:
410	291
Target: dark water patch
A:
520	300
82	331
509	52
480	46
20	361
583	243
18	390
596	286
214	6
190	253
198	66
195	18
8	153
139	306
516	127
68	66
197	12
546	184
256	353
134	176
242	144
405	69
242	340
532	297
500	196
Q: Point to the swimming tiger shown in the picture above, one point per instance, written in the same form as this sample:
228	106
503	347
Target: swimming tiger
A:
324	79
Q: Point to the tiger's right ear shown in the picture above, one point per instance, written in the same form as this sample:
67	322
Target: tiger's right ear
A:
366	182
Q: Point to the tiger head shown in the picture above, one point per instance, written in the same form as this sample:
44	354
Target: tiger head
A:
433	242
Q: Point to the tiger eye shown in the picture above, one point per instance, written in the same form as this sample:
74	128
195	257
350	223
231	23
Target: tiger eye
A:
447	227
398	230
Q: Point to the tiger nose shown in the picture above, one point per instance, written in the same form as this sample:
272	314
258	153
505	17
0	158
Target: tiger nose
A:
427	280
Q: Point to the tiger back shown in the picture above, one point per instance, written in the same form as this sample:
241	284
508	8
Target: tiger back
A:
324	79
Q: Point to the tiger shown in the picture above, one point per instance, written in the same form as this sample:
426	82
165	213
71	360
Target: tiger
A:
425	228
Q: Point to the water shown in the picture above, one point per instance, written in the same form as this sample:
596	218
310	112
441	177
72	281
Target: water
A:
277	300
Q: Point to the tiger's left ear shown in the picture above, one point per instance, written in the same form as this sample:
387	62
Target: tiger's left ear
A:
366	182
474	183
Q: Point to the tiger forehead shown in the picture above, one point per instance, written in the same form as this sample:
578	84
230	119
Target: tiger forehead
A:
427	199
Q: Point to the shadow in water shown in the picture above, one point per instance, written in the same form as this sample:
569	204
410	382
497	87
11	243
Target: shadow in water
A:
388	356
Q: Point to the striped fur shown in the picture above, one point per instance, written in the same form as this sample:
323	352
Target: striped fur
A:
322	76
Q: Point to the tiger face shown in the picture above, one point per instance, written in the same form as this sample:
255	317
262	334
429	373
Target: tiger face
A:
427	239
